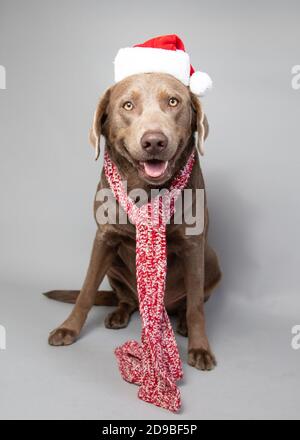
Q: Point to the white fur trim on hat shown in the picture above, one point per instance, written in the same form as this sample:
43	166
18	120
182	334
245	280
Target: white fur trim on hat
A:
134	60
200	82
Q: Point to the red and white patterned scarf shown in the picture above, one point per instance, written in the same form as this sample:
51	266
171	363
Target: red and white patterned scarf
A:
154	364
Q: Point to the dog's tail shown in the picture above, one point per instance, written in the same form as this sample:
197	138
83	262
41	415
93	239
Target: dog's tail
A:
103	297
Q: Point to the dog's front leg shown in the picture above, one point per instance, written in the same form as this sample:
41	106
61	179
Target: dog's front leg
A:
69	330
199	352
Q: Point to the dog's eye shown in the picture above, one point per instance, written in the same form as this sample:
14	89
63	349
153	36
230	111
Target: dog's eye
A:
128	105
173	102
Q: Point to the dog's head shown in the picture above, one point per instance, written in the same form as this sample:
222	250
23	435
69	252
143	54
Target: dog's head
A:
149	120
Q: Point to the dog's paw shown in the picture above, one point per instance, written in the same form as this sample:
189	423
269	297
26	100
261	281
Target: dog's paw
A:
62	336
117	319
201	359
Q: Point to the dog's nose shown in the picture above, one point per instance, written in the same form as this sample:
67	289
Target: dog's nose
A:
154	142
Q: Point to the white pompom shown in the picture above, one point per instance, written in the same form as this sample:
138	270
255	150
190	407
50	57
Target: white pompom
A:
200	82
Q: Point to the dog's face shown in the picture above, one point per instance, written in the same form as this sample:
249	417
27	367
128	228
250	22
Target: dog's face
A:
148	119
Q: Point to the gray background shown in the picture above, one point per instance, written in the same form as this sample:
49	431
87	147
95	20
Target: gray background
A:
58	57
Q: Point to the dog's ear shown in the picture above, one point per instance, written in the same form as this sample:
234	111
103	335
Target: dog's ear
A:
100	117
199	123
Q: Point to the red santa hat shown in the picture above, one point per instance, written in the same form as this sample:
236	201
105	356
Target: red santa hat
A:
165	54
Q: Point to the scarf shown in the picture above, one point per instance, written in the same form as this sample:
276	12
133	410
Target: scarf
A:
154	364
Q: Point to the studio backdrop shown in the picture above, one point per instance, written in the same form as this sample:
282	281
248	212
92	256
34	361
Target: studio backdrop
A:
56	60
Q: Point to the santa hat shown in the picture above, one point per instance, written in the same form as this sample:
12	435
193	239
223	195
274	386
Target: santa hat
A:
165	54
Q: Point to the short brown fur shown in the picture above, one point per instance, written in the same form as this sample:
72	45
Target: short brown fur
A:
193	268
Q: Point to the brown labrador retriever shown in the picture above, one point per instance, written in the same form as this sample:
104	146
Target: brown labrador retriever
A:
149	123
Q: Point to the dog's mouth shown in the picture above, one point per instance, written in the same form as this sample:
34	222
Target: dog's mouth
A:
154	168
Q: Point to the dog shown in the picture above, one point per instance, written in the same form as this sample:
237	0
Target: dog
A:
149	122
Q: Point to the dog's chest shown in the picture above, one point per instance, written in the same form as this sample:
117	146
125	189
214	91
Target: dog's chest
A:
127	248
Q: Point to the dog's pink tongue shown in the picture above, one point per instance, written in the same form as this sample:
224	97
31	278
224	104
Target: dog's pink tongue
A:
155	169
